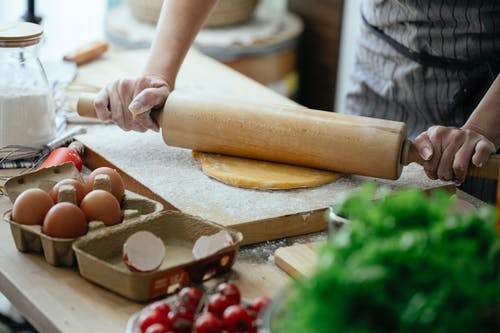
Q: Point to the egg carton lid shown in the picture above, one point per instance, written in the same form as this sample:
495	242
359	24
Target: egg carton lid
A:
100	256
43	179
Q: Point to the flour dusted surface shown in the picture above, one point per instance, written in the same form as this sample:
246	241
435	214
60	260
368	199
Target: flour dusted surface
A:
173	174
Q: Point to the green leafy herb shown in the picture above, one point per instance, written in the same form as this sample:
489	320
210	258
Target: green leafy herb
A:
403	264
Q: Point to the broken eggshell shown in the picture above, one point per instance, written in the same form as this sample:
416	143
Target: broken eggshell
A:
143	251
208	245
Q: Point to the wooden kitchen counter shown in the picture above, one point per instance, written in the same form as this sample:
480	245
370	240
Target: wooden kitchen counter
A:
59	300
56	299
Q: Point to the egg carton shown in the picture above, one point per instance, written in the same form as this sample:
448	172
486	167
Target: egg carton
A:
58	251
100	256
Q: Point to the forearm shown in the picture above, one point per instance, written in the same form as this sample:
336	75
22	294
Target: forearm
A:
486	117
179	22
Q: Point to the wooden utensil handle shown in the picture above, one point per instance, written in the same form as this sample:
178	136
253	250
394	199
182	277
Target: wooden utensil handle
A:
85	108
87	53
490	170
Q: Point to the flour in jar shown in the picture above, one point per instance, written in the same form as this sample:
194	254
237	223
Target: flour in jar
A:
26	117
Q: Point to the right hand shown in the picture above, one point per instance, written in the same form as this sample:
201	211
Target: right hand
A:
448	151
128	102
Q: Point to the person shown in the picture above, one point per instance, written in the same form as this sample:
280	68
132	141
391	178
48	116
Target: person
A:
428	63
425	63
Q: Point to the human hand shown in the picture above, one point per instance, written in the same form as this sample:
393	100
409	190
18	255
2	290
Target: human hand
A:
448	151
128	102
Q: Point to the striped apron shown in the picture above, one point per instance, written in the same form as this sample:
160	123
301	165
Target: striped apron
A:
425	63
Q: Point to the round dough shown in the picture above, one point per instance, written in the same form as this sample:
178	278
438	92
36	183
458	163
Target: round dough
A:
248	173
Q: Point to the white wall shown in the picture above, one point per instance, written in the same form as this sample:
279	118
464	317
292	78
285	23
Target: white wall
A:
68	25
349	35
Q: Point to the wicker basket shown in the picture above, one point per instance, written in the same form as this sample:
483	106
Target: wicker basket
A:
226	12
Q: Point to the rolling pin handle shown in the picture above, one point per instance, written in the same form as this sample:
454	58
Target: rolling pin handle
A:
85	106
410	154
490	170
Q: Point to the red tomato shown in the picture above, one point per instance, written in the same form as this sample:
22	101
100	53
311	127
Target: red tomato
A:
217	303
208	323
181	319
157	328
161	306
231	291
190	297
236	319
152	317
253	319
60	155
259	303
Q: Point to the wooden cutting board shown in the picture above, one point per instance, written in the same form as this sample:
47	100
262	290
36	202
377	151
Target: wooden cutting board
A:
173	177
300	259
297	260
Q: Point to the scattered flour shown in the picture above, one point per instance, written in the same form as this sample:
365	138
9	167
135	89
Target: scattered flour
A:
176	176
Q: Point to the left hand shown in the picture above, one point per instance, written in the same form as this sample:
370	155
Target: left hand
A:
128	102
448	151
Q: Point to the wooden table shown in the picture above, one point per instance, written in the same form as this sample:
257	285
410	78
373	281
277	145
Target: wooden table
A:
58	300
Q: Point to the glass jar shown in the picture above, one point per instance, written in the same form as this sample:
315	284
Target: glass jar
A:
26	106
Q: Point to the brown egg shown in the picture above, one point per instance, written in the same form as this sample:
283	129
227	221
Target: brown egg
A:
100	205
65	220
80	188
117	185
31	206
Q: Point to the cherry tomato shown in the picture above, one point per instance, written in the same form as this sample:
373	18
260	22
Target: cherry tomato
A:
190	297
230	290
253	319
181	319
152	317
157	328
236	319
161	306
217	303
208	323
258	304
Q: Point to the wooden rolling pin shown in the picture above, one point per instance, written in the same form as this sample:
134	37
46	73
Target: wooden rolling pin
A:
289	134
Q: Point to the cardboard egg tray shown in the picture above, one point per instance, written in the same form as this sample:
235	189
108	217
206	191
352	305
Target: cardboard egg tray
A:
58	251
99	256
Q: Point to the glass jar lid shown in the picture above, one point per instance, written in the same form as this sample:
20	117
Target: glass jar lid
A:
20	34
